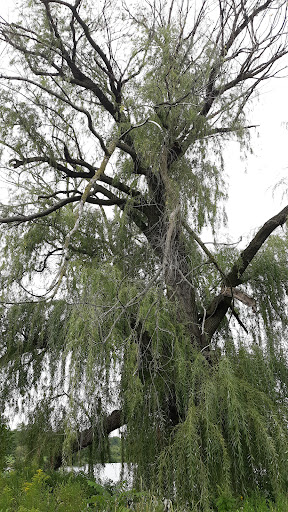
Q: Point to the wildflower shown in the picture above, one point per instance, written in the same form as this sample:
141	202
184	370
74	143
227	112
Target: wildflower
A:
27	486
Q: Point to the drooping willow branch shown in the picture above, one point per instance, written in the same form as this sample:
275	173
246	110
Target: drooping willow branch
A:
57	281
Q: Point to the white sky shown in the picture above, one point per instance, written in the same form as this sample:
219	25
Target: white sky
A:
251	197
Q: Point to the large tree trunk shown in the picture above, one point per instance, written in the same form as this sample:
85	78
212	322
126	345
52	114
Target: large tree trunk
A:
164	233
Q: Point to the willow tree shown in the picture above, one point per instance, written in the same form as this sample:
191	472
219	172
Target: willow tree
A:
114	312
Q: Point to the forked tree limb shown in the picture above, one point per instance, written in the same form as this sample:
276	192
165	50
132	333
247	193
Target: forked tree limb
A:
218	308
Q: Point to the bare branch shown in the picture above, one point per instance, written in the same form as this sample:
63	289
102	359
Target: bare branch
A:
219	306
204	248
38	215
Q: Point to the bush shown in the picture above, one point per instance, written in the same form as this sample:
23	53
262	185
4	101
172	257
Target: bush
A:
41	492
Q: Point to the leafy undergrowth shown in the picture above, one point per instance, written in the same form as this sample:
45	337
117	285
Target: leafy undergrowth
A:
37	491
257	503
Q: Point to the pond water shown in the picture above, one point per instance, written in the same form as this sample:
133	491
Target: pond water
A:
114	471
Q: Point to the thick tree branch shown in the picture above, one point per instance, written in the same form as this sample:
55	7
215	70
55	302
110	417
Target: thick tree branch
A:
15	162
112	201
85	438
107	68
110	423
219	306
246	256
37	215
115	183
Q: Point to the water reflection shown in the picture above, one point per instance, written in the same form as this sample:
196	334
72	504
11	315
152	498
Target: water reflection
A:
114	471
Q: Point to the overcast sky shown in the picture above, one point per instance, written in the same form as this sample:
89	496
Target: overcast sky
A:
252	200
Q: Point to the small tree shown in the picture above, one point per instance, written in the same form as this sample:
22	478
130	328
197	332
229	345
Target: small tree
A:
113	122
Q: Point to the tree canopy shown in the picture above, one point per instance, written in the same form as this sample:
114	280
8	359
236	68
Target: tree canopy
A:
113	120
